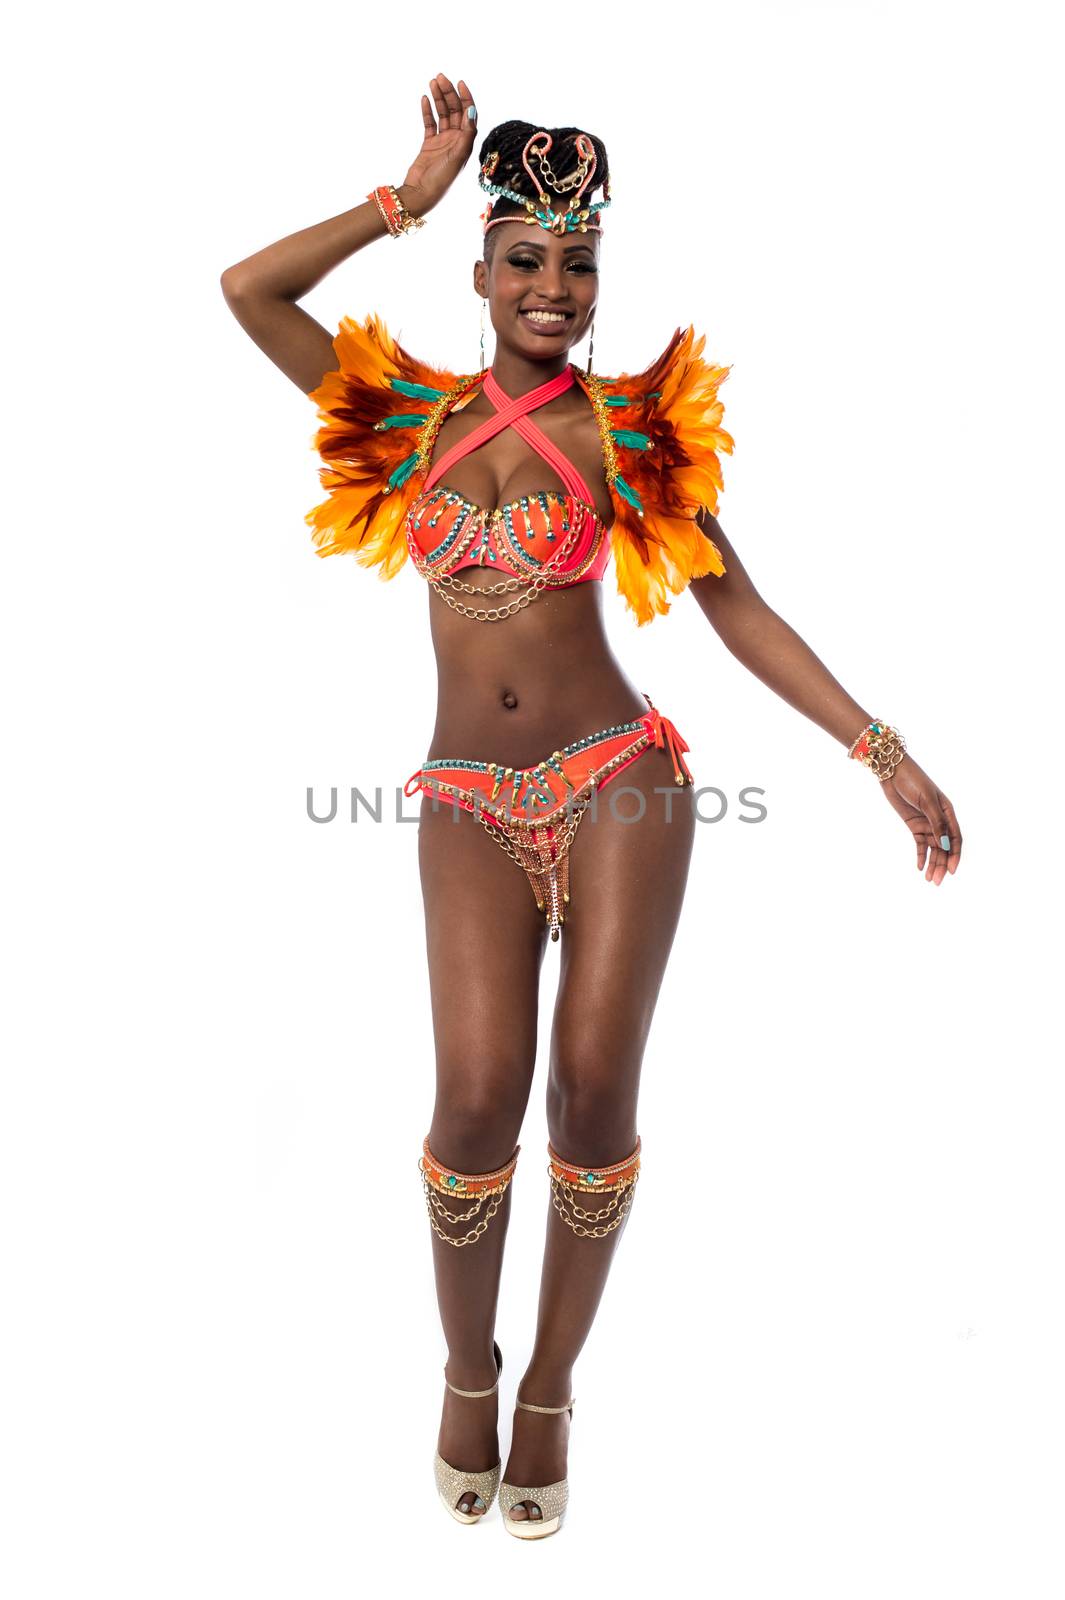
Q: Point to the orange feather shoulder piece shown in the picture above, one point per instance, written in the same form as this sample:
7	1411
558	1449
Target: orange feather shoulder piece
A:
372	459
662	438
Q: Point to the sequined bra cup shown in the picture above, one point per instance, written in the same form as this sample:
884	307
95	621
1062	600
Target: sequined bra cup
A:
546	539
518	540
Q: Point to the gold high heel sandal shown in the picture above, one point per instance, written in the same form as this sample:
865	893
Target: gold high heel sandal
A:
453	1482
552	1498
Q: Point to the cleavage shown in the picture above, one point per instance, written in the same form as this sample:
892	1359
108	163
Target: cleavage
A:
500	472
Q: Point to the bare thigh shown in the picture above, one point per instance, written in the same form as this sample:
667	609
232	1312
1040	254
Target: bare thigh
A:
628	879
485	940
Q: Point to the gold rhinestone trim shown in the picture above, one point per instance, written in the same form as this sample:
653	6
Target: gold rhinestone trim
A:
452	1482
552	1498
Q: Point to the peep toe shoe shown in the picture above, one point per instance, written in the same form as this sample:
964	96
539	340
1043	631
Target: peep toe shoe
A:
552	1498
453	1482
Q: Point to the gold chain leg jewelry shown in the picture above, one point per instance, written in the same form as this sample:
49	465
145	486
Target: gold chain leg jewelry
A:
619	1181
485	1189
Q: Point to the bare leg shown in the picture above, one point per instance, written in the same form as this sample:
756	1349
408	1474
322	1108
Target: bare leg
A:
485	941
628	883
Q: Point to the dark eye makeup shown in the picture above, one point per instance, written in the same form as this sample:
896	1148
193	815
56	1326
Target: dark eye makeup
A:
532	261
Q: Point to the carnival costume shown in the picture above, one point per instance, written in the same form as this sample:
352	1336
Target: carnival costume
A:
388	501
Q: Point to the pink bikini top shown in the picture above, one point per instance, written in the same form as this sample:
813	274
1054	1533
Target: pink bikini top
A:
555	539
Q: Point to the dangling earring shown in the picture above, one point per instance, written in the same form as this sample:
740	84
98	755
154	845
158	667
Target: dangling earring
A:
591	347
484	304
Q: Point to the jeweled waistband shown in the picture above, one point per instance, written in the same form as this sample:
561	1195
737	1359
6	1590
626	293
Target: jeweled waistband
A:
567	750
569	765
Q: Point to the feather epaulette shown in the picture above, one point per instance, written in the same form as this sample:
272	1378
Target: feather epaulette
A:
367	409
662	434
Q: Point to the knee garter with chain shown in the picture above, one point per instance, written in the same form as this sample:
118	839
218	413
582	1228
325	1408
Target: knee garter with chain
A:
486	1190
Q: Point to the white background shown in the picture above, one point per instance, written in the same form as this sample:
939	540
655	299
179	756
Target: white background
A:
829	1356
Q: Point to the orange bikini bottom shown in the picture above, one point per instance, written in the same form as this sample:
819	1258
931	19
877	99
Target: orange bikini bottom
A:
533	812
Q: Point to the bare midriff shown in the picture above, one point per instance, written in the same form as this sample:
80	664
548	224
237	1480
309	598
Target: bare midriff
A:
516	689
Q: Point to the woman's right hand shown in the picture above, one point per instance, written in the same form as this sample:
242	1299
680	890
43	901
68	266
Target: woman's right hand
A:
446	146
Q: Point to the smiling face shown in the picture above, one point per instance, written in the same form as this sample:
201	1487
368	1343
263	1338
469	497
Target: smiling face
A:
541	287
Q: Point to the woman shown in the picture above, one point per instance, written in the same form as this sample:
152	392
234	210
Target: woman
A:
525	479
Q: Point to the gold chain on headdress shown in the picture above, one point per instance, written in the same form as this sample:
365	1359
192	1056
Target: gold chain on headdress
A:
560	185
575	218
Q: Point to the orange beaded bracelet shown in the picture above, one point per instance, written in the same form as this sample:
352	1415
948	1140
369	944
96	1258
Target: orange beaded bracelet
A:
397	218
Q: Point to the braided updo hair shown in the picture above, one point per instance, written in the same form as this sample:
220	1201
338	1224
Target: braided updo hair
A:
510	139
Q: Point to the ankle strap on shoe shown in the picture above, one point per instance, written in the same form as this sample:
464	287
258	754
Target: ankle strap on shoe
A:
548	1411
471	1394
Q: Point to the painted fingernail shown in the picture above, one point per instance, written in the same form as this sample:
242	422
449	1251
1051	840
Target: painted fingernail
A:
471	112
944	839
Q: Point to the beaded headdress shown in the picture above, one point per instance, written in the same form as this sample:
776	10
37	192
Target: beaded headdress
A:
575	218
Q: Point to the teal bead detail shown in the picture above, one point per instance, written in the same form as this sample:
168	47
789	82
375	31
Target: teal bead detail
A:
437	555
523	557
574	749
546	219
541	795
437	503
598	738
458	766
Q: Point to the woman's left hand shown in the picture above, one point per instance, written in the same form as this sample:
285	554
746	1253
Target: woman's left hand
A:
929	815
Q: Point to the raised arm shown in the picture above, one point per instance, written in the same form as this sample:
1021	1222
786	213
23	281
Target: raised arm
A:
262	290
770	648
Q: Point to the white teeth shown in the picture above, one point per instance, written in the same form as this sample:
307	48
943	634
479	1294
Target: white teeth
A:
545	316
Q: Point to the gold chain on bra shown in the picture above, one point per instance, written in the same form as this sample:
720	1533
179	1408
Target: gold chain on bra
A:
443	581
